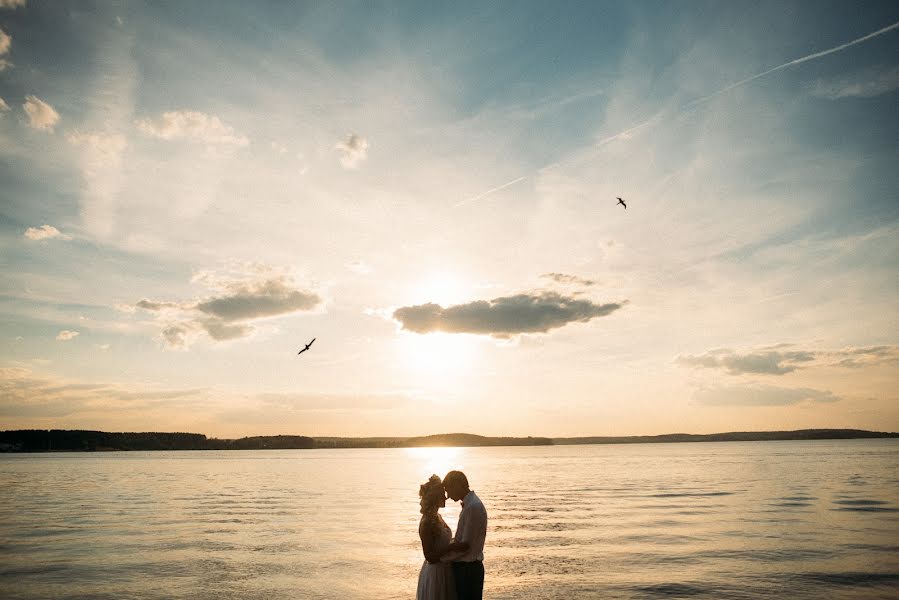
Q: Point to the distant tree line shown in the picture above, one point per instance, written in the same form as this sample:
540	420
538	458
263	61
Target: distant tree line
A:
733	436
77	440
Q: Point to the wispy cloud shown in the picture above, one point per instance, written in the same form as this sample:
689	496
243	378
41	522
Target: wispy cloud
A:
867	84
762	395
565	279
100	155
353	151
503	317
41	115
44	232
778	361
193	126
5	45
4	107
26	395
11	3
627	133
65	335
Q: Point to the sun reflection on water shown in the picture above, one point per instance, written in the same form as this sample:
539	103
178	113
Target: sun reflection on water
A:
436	461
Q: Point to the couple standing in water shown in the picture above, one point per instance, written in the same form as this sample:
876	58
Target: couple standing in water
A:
453	567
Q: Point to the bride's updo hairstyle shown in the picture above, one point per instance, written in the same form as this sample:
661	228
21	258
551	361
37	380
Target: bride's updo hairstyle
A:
430	492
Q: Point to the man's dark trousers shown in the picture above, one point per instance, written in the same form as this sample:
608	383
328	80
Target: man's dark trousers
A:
469	578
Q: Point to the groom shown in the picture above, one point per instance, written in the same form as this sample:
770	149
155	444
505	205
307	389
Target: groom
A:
466	552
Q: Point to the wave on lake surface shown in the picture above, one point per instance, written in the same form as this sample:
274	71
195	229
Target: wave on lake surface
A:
806	519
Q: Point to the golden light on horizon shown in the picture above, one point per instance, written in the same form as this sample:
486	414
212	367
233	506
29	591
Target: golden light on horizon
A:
436	460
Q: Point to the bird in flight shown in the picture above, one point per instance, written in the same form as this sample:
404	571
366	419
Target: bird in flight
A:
621	202
307	347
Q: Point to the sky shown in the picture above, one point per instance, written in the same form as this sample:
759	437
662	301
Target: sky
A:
190	192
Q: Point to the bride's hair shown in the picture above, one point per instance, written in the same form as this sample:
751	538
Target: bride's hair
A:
428	492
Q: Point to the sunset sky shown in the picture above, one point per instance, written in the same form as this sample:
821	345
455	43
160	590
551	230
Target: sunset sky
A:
189	192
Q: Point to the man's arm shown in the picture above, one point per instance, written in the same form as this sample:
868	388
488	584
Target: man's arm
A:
457	547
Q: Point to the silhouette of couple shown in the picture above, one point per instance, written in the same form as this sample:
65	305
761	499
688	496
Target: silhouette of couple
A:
453	567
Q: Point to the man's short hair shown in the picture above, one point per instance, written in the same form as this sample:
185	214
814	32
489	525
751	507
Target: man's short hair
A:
455	477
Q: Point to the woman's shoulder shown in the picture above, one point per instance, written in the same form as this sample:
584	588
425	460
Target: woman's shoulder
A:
429	522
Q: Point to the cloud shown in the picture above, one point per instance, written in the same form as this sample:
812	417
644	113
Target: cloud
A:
867	84
854	358
353	151
778	361
26	395
771	362
11	3
154	306
5	45
66	335
503	317
762	395
245	294
108	147
178	336
220	330
4	107
564	279
193	126
41	115
100	156
44	232
266	298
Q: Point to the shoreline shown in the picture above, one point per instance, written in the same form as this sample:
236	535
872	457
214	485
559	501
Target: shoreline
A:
59	440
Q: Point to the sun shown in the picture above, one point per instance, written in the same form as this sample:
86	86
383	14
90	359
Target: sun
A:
438	354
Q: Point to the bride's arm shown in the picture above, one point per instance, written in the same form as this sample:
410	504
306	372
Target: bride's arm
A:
427	532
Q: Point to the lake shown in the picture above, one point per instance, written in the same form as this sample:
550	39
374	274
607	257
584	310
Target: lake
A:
803	519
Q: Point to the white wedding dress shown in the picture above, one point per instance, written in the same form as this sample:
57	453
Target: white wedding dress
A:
435	581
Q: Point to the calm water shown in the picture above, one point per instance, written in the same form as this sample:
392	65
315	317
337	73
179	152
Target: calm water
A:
713	520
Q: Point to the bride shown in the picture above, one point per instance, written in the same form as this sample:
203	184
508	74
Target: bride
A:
435	580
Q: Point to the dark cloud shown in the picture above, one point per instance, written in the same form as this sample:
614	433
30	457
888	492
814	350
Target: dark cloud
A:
503	317
762	395
264	299
220	330
568	279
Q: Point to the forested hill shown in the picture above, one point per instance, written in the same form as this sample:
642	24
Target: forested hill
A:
61	440
734	436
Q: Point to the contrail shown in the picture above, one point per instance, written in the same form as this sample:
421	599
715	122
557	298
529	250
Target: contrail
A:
791	63
488	192
658	117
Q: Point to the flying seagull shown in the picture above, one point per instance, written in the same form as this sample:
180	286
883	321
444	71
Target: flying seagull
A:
307	347
621	202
